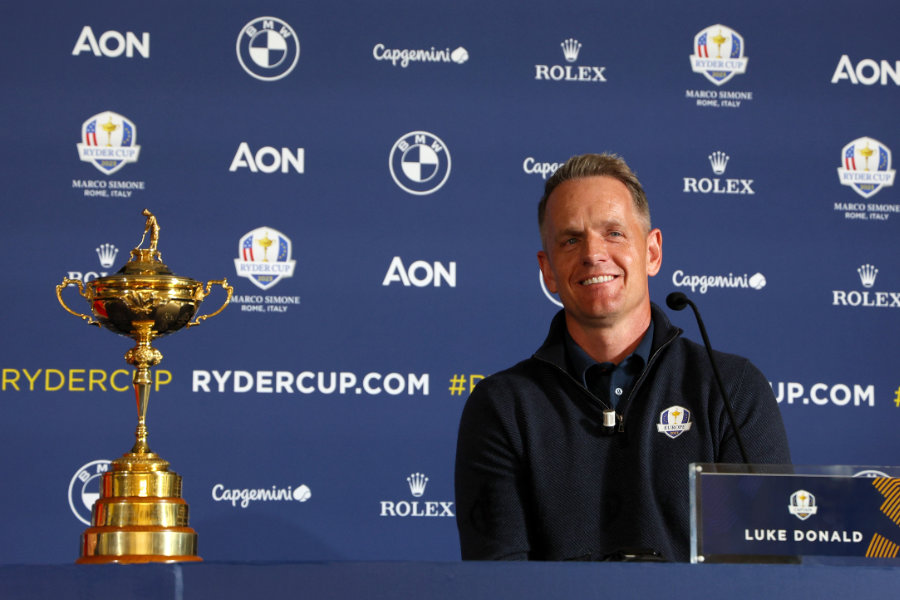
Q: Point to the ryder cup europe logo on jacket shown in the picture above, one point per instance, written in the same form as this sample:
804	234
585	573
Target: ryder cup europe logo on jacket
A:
674	421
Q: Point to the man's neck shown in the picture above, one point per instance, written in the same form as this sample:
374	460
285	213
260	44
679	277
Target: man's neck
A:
610	343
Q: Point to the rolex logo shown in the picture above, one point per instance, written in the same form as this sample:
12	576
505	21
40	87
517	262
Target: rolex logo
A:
417	508
718	160
571	48
865	298
107	254
867	274
417	483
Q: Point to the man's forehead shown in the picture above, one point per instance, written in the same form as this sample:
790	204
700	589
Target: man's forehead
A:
591	181
593	199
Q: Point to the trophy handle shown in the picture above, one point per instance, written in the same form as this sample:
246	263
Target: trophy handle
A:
200	294
66	283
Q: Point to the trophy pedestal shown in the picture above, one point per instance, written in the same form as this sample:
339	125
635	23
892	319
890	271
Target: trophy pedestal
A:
140	516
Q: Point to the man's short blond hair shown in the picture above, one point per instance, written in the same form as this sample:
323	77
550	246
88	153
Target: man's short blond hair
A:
595	165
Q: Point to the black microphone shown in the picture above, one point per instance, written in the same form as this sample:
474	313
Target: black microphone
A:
677	301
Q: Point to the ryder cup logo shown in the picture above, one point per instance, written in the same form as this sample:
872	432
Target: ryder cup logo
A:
268	48
84	489
108	142
674	421
803	505
420	163
264	257
718	54
866	166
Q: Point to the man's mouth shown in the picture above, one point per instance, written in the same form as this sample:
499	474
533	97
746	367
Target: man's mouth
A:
598	279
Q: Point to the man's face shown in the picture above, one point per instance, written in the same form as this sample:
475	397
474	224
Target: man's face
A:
598	253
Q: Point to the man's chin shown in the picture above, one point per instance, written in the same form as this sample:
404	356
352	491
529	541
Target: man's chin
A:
594	317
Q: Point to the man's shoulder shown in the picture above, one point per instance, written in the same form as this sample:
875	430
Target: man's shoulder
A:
523	373
695	351
692	359
525	385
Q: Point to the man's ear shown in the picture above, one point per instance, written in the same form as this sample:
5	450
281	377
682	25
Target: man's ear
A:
654	252
547	271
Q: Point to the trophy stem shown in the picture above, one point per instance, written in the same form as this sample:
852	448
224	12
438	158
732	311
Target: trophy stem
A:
142	356
141	382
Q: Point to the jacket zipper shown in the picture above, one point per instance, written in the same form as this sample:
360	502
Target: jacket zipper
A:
620	418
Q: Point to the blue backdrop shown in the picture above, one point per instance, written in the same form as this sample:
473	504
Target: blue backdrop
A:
394	153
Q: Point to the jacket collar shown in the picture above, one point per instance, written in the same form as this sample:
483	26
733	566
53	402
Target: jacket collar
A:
553	349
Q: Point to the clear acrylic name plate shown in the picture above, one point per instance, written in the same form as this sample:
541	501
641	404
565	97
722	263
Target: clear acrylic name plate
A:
789	513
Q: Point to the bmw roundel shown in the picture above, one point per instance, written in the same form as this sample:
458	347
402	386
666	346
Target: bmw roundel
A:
268	48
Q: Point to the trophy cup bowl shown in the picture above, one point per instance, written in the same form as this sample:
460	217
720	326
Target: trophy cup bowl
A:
140	515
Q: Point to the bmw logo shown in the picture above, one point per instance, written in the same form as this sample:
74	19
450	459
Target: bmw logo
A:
420	163
84	488
268	48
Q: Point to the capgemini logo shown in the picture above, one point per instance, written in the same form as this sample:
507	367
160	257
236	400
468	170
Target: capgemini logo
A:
718	160
571	47
867	275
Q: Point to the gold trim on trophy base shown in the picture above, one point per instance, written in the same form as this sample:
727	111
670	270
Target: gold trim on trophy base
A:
125	512
138	544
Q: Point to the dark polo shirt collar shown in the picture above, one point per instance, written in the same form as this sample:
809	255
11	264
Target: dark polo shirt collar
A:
608	381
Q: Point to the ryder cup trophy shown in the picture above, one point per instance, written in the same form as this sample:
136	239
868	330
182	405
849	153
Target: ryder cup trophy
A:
140	515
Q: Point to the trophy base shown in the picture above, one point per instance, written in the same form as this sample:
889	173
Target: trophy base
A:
134	559
129	545
140	516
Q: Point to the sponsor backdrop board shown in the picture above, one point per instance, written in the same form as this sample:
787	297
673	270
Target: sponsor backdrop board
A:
366	176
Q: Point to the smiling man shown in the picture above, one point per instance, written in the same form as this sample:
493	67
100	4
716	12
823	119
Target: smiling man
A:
581	452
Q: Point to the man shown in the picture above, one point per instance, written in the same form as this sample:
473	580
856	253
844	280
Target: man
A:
581	452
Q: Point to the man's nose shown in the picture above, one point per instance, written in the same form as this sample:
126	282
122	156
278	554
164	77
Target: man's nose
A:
595	249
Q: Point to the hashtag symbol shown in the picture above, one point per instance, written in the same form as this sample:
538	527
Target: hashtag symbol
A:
457	385
897	398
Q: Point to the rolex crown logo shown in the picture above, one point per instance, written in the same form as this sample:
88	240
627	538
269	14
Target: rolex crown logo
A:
417	483
107	254
718	160
867	274
571	48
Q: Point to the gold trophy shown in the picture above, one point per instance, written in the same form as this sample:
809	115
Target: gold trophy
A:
140	515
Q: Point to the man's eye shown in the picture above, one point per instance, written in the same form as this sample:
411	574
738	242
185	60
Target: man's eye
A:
571	241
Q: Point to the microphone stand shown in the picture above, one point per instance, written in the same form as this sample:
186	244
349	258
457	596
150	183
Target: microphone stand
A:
677	301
